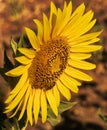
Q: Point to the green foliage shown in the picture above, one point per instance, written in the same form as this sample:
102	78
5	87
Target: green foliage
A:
11	125
64	106
103	117
16	6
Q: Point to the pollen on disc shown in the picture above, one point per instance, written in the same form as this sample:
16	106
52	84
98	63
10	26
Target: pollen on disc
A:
49	63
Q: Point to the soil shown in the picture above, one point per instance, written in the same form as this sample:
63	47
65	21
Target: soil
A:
15	15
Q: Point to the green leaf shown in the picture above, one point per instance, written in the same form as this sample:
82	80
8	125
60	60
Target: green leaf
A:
64	106
103	117
6	125
13	45
50	113
54	121
12	124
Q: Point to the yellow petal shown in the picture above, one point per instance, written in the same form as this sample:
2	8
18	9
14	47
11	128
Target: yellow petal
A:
52	18
79	56
83	22
27	95
74	80
46	26
81	64
20	83
18	98
80	10
43	106
68	10
23	60
75	43
65	8
74	20
77	74
17	71
87	28
17	88
18	107
66	14
87	49
85	37
52	101
65	91
29	107
67	81
56	95
58	23
33	39
40	30
36	106
81	25
30	53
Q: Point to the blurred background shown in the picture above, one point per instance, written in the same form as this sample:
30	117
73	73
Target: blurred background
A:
14	16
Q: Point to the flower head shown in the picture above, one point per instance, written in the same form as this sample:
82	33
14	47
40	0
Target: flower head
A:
55	62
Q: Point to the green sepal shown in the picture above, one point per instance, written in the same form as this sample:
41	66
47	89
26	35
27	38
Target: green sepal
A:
21	41
14	45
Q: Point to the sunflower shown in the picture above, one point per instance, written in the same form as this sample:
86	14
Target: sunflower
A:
55	62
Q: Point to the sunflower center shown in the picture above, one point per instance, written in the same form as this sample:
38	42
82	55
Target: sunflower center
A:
49	63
